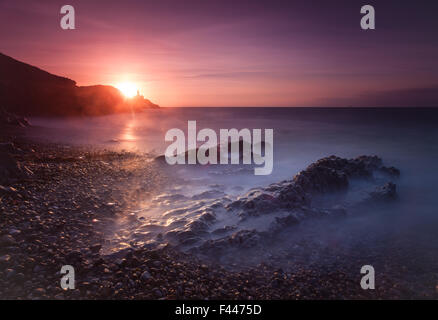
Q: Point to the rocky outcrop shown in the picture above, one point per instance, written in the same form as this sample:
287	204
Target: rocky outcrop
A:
327	175
215	224
28	90
386	192
332	173
240	146
291	201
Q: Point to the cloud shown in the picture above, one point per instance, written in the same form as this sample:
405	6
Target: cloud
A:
226	75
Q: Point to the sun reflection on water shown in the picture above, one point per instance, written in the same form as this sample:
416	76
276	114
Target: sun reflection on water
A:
128	138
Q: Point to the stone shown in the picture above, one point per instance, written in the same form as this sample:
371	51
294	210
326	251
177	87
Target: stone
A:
5	258
383	193
145	276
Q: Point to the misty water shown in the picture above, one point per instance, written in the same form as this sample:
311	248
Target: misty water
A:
399	237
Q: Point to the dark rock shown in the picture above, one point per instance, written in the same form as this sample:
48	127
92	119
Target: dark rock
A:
318	178
224	230
293	199
326	175
210	194
157	292
243	239
383	193
10	273
146	276
96	248
391	171
7	240
5	258
73	256
287	221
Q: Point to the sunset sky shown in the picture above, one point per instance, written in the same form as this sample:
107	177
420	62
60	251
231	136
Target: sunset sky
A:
236	53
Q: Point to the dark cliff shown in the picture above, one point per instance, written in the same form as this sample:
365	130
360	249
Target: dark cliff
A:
28	90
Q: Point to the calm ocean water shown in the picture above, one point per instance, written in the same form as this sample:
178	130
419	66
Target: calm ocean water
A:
403	137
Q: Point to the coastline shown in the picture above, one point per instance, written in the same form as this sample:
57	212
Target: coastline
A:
63	213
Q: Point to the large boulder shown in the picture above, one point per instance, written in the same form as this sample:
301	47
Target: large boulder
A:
327	175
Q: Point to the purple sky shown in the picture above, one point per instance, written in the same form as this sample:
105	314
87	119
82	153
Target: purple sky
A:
236	53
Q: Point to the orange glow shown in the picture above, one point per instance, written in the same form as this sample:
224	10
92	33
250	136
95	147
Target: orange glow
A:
128	89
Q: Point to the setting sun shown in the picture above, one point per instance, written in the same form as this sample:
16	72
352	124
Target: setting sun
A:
128	89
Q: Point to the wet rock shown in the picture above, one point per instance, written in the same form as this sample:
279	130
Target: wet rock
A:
7	240
74	256
326	175
5	258
198	226
254	203
290	201
184	235
391	171
224	230
40	291
10	273
96	248
287	221
13	231
210	194
158	293
319	178
145	276
38	269
276	283
384	193
156	263
243	239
